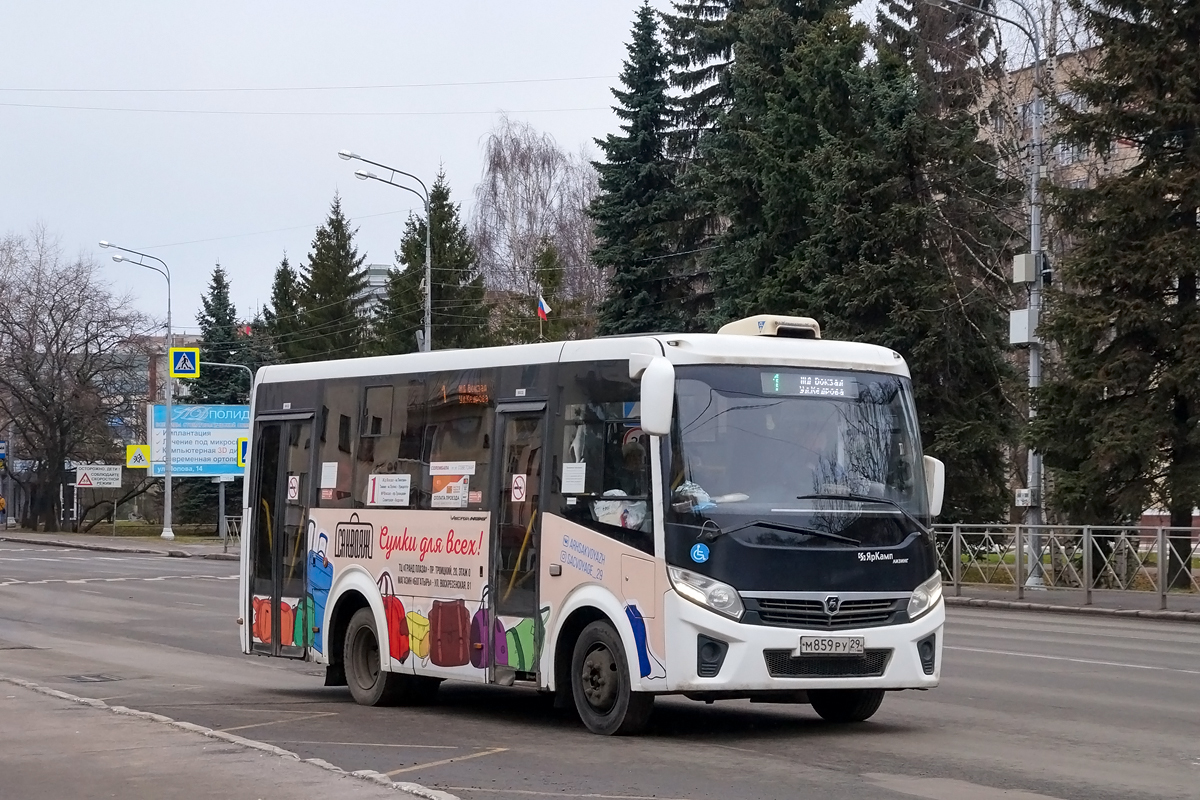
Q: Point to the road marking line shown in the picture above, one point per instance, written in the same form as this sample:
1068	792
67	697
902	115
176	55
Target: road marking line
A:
118	580
1075	660
563	794
491	752
369	744
278	721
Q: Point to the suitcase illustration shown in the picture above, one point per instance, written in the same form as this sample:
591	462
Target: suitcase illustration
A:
320	581
418	634
449	633
397	622
287	623
489	645
261	625
302	636
522	645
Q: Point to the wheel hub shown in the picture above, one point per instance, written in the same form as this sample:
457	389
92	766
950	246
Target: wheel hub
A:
600	679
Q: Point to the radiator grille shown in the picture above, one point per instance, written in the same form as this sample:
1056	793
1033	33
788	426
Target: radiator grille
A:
811	613
871	664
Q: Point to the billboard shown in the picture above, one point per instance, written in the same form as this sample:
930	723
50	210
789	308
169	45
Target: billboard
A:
204	439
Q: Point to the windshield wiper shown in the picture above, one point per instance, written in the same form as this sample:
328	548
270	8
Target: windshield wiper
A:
711	534
867	498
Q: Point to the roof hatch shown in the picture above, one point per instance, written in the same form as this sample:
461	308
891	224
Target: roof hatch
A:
774	325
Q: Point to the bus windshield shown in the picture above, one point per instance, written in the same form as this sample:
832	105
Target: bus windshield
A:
787	457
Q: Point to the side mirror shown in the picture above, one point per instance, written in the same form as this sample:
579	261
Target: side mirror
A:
935	484
658	396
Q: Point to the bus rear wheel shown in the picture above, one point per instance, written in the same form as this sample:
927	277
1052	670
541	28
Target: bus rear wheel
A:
369	684
600	684
845	705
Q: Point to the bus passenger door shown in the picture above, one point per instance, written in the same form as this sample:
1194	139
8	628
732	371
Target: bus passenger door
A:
520	438
280	499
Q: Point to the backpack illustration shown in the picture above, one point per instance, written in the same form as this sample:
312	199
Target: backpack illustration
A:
418	634
489	644
302	636
449	633
320	581
522	645
261	624
397	622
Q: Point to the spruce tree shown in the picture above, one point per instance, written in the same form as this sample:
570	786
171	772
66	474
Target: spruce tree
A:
1119	415
220	343
459	313
331	324
638	210
281	319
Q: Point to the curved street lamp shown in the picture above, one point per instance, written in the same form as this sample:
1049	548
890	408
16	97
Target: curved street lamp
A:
165	271
363	175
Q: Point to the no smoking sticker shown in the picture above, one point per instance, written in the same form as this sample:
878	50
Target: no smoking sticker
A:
518	489
293	487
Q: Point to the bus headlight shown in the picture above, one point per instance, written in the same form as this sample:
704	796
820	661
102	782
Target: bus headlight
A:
925	597
704	591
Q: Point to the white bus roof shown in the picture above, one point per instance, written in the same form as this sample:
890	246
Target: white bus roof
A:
680	348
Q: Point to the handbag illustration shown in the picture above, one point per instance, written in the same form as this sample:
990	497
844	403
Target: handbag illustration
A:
261	626
320	581
489	644
397	622
418	634
449	633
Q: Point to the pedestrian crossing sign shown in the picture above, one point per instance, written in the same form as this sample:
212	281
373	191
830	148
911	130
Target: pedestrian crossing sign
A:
185	362
137	456
243	450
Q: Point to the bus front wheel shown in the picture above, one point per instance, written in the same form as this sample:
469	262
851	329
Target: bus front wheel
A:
600	684
845	705
369	683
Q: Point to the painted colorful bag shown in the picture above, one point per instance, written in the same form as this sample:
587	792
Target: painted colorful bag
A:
397	622
287	623
418	634
522	645
261	625
449	633
302	636
489	644
320	581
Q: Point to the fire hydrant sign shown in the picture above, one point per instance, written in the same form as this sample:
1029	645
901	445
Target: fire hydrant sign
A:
98	476
204	439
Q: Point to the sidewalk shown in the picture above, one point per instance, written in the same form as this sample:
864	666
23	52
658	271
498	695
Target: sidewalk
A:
1181	606
209	548
52	747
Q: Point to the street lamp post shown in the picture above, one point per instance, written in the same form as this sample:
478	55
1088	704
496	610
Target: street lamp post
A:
1033	515
167	533
363	175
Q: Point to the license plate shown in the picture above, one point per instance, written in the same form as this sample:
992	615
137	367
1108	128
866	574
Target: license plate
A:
831	646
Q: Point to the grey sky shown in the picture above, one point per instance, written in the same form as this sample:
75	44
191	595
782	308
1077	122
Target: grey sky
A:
193	188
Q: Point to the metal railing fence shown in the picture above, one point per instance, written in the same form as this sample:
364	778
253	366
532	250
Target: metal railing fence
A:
233	533
1088	558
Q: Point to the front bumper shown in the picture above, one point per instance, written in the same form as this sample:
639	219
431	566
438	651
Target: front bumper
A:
745	665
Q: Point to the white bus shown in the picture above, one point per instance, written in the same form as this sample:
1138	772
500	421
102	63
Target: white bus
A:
734	515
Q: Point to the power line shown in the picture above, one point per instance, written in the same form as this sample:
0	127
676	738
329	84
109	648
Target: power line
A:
232	89
210	112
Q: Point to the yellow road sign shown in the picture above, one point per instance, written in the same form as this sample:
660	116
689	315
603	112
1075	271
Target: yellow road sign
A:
137	456
243	445
185	362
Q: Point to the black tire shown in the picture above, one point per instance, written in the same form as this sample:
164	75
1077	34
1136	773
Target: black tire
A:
369	684
600	684
845	705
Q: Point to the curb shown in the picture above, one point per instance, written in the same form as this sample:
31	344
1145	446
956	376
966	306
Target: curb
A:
410	789
978	602
103	548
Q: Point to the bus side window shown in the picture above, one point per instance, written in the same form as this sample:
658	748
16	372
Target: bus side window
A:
458	435
604	479
334	438
390	431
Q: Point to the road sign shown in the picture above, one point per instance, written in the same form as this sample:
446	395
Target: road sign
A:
204	439
98	476
185	362
243	447
137	456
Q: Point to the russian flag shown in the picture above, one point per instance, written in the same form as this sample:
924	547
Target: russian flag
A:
543	307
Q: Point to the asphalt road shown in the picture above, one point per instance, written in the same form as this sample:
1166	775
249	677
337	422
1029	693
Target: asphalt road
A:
1031	705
